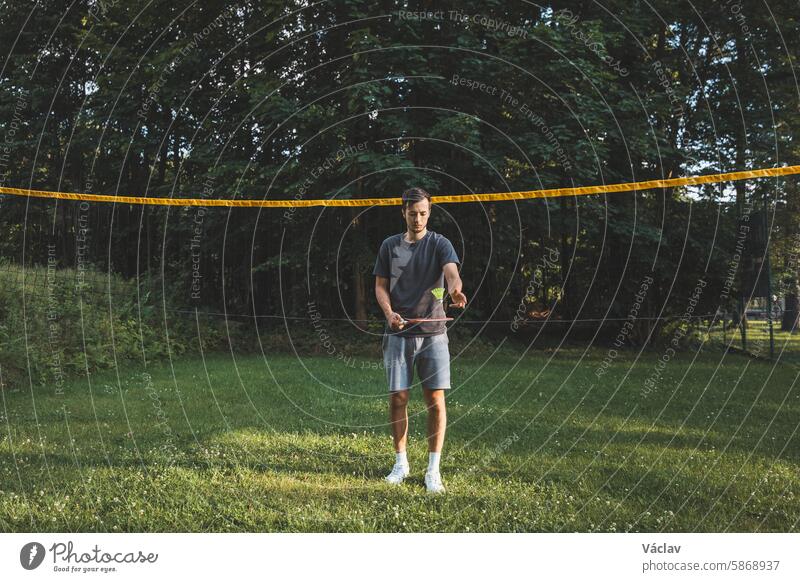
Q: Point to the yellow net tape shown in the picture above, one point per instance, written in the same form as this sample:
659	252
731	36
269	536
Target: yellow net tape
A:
493	197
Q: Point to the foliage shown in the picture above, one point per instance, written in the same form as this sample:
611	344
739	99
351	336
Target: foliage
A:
353	99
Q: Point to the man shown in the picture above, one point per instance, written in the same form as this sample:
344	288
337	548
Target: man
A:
409	283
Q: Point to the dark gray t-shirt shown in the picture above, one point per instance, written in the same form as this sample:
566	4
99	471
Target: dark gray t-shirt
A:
416	279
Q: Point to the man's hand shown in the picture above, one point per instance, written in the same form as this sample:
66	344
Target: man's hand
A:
396	321
459	299
454	282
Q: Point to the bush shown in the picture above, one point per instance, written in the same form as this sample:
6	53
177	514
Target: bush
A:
56	323
679	335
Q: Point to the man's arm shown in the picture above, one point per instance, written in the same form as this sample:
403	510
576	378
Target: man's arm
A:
454	285
385	302
382	295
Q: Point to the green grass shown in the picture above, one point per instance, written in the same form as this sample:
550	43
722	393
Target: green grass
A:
535	443
786	345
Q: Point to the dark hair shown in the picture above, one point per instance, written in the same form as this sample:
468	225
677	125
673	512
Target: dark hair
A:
414	195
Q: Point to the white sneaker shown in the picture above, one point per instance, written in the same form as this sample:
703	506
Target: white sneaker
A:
399	472
433	482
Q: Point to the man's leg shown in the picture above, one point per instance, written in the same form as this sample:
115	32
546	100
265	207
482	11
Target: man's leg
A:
398	375
398	416
437	422
437	419
434	368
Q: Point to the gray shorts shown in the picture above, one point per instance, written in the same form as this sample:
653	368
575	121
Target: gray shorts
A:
431	356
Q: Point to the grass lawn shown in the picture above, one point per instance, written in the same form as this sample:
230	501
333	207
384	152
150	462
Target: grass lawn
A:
535	442
786	345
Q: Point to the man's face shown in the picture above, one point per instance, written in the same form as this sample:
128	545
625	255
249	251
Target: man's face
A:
417	215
